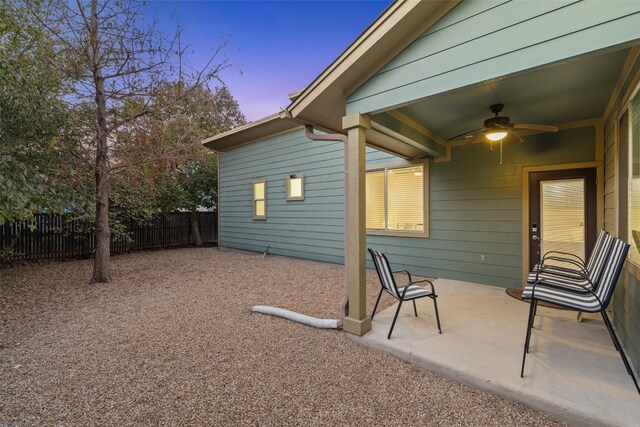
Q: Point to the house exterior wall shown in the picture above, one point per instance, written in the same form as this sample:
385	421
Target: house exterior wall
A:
311	228
626	299
476	209
475	204
480	40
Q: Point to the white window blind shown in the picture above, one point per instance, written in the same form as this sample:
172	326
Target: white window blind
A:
563	216
623	176
634	172
375	205
404	191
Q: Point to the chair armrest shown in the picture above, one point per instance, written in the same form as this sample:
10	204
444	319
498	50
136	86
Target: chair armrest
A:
561	271
563	255
578	267
560	286
403	271
422	281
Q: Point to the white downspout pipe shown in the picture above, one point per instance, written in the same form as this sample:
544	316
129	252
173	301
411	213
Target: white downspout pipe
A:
344	306
297	317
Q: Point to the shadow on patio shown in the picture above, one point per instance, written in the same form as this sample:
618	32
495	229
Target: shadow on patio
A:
572	371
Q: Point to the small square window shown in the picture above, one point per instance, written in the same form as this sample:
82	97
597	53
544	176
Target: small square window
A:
295	187
260	199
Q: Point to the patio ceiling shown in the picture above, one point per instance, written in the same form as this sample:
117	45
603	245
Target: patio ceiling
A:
573	90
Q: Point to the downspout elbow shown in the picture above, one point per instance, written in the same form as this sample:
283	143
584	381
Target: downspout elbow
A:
308	129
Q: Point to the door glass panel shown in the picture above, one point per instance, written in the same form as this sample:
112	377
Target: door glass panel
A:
562	216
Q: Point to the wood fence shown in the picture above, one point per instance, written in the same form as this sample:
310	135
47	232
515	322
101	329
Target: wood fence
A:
58	237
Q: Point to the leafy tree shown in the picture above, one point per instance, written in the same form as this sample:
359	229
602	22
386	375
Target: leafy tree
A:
191	186
33	117
185	176
119	66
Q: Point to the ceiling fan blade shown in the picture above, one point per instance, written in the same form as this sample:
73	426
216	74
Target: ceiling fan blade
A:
472	133
513	138
529	126
477	138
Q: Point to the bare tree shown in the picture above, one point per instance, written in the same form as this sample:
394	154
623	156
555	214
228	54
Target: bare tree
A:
119	63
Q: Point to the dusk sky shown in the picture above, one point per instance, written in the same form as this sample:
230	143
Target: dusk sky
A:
274	47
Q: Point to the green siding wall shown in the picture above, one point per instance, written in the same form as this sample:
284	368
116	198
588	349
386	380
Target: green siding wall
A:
311	228
475	204
480	40
476	209
626	299
626	314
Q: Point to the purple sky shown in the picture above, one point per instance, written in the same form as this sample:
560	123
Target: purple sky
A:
274	47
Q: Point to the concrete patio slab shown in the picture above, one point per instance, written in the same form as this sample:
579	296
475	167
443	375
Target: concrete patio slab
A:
572	370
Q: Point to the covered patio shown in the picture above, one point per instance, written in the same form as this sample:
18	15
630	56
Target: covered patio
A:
572	371
419	84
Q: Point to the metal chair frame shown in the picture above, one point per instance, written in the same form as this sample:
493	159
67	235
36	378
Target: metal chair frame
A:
392	289
616	257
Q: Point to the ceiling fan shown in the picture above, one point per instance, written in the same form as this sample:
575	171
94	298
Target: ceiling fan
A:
499	128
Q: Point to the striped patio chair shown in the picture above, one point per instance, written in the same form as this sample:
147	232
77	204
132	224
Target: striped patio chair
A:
593	300
408	292
570	271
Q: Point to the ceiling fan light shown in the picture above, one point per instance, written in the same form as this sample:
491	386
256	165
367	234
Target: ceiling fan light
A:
496	135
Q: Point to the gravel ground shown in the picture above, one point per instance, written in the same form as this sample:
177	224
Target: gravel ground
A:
172	341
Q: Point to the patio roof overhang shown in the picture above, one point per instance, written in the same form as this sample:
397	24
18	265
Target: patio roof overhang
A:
560	85
564	94
322	103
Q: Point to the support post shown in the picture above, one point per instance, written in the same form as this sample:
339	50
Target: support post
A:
356	321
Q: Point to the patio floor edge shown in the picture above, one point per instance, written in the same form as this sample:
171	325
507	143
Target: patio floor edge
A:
566	414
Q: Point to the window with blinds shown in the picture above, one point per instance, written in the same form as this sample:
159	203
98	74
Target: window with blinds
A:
376	205
395	199
633	231
623	176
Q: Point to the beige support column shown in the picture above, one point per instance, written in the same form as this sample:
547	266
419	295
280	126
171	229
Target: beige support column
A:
357	322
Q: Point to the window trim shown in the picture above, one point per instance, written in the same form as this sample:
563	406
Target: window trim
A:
425	234
254	199
622	186
626	109
286	186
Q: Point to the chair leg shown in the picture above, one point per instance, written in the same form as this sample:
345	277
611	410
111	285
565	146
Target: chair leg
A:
622	355
415	310
532	316
607	323
435	305
532	310
394	319
376	306
616	343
